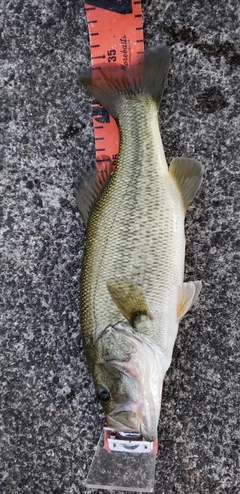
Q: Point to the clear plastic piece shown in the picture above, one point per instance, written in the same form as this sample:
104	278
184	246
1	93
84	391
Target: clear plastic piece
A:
123	462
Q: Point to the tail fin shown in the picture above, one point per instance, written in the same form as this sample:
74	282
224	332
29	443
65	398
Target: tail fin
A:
146	75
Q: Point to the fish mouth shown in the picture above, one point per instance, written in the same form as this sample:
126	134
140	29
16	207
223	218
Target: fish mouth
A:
140	412
139	418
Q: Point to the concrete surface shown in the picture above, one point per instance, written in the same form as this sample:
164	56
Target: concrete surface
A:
50	418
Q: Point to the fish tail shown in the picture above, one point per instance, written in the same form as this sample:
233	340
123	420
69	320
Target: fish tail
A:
112	82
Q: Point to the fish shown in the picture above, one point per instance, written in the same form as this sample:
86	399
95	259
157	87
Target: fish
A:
133	293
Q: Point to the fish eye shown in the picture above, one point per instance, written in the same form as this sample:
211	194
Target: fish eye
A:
102	393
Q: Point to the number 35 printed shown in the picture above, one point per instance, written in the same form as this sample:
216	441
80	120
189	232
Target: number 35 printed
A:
111	56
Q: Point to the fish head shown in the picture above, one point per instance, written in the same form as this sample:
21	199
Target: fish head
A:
128	378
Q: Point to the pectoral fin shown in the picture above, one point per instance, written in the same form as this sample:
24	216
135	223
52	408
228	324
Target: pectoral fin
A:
129	299
188	175
188	294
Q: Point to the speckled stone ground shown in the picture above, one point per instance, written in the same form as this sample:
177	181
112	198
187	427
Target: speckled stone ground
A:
50	418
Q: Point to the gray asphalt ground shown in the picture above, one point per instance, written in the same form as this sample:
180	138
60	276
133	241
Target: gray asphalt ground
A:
51	421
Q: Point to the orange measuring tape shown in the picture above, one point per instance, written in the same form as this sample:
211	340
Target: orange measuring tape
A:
116	36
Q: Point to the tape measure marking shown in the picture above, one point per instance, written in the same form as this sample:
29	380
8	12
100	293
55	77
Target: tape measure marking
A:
114	27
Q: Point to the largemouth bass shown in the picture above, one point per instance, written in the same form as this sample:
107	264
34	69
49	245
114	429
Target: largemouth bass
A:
132	290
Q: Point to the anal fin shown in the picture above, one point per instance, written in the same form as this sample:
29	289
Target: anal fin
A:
188	175
188	294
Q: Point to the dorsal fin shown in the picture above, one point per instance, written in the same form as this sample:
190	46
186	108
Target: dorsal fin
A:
89	189
188	175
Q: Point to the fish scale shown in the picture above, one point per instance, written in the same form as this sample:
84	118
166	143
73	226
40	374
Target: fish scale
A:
139	236
132	290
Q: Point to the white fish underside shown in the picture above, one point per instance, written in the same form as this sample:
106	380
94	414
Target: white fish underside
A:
137	232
